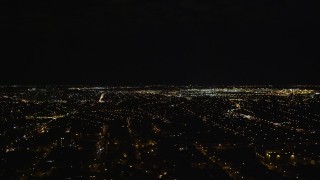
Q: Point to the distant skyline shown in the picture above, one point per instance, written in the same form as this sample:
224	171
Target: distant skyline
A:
130	42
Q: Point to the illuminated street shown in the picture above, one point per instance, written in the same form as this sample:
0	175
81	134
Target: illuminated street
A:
159	132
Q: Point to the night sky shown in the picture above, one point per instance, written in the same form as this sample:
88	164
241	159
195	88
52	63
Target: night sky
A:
137	42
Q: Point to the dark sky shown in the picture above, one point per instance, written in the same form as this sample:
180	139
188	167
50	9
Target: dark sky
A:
159	42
